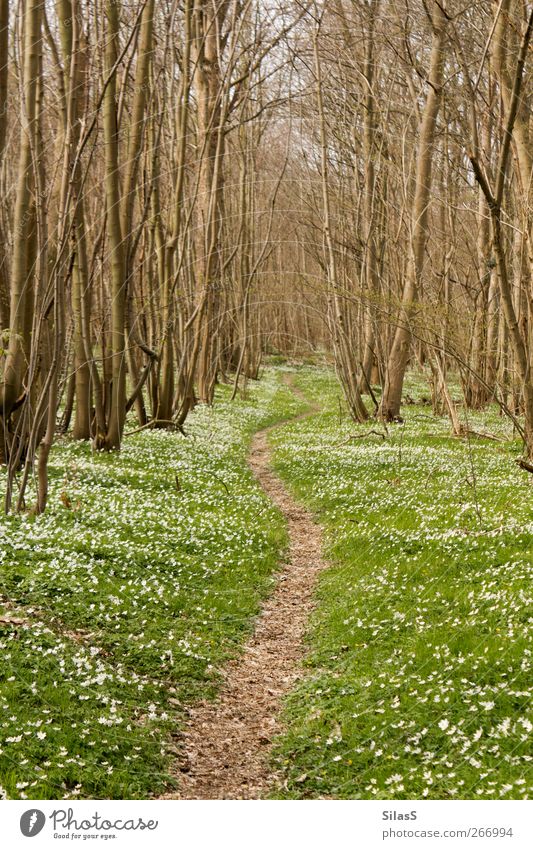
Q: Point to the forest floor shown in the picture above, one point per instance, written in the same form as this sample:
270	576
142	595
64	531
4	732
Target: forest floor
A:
122	605
227	742
418	671
154	599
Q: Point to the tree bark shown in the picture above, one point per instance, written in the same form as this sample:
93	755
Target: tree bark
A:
21	275
399	354
117	412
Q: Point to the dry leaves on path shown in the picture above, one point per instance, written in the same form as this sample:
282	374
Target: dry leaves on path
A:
227	741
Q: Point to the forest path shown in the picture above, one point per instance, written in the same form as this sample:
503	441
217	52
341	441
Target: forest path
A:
227	742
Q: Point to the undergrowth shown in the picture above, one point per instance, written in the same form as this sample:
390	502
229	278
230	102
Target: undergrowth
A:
120	605
418	679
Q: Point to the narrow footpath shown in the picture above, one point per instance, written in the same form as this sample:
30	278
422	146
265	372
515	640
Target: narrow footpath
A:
227	742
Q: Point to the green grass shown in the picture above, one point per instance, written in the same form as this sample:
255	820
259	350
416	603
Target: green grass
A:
418	680
132	595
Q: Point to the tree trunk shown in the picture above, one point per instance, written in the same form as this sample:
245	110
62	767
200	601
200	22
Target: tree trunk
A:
21	275
117	411
399	354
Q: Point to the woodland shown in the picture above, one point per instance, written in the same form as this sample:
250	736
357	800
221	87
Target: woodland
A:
266	399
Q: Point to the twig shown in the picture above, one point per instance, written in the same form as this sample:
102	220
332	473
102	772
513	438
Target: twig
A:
362	436
153	423
481	435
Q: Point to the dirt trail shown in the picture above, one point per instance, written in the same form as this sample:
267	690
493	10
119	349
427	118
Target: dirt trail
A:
227	742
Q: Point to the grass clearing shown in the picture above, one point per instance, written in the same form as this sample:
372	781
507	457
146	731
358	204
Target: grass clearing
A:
419	670
128	596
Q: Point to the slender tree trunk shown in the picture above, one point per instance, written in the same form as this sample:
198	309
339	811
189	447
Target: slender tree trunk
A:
343	355
4	65
370	264
69	16
133	161
20	283
208	83
170	261
399	354
117	412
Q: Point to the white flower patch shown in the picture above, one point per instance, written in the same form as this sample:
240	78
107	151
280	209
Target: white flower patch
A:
137	592
429	593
